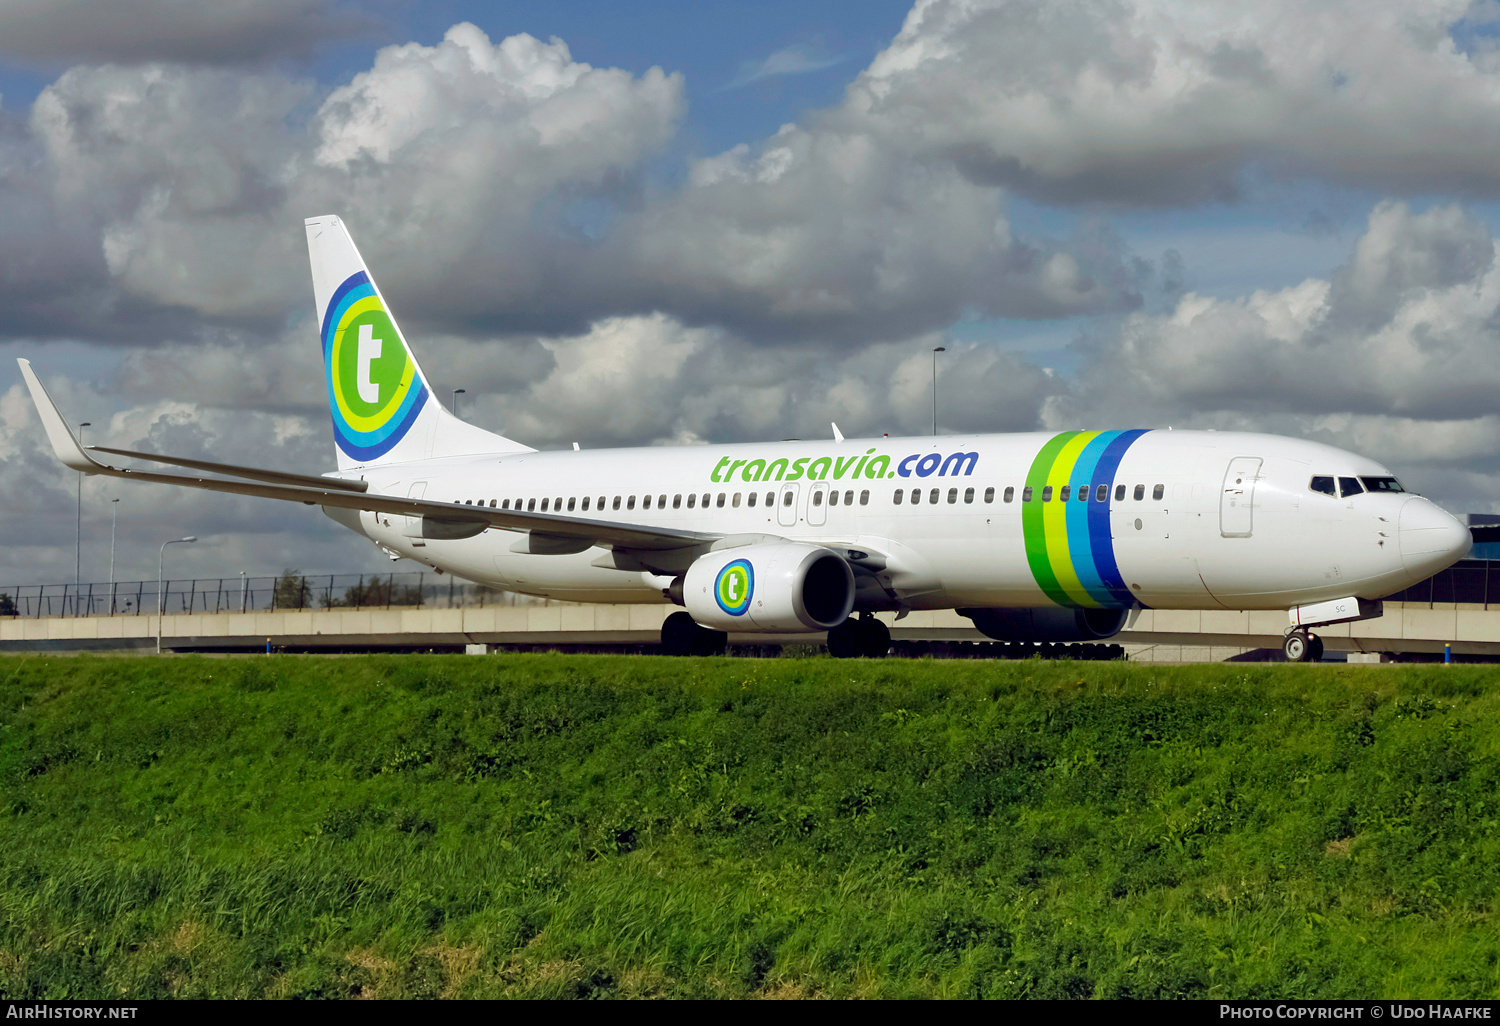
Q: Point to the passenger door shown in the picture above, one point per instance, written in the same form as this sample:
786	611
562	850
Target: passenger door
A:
817	504
786	505
1237	499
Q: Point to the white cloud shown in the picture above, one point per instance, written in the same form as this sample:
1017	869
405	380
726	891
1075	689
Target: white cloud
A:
797	59
1167	102
188	31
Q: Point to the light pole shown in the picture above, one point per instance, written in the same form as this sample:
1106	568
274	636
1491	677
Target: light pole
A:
161	598
78	550
453	408
244	590
114	517
939	349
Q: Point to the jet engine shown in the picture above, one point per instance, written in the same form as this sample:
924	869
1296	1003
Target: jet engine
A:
1048	623
771	588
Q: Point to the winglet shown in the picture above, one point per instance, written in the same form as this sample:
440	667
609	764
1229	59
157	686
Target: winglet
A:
64	444
838	436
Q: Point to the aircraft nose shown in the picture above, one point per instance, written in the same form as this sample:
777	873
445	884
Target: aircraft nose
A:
1431	538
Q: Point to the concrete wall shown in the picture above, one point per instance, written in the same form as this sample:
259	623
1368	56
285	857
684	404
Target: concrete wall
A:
1157	635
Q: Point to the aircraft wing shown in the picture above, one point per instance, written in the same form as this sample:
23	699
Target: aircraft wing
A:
319	491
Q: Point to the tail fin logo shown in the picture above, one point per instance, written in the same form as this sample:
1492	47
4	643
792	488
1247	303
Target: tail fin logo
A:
373	387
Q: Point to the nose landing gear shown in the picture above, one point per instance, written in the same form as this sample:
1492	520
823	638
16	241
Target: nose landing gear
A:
1302	646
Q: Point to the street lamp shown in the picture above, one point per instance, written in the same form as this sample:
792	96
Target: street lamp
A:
78	551
161	598
114	517
454	405
939	349
244	590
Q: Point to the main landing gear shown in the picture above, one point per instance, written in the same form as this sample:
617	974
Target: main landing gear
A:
1302	646
681	636
865	636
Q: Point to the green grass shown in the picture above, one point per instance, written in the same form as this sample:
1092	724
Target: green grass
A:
552	826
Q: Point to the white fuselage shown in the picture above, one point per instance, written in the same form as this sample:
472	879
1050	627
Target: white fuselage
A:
1188	519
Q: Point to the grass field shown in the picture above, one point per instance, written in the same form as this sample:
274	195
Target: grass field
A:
540	826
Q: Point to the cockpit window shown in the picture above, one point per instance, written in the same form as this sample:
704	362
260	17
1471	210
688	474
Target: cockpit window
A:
1324	485
1350	486
1382	484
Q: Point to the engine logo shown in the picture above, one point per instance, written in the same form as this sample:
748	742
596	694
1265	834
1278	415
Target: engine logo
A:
734	586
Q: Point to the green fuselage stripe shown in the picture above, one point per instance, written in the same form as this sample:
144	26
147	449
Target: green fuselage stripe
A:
1033	526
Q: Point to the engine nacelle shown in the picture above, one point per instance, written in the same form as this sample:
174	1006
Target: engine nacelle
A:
1048	623
771	588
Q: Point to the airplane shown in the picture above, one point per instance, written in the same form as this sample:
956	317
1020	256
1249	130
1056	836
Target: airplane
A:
1042	536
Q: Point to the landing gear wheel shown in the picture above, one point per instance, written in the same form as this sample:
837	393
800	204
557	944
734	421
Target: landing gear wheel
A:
1297	647
875	638
711	642
679	633
846	641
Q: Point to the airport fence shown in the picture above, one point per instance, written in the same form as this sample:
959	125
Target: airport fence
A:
252	594
1472	582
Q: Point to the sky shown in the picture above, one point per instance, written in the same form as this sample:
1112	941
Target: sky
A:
687	223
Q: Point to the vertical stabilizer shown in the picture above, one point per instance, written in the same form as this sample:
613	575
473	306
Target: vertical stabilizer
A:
383	407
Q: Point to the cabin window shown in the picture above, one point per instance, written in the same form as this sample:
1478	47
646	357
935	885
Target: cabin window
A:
786	500
932	496
1323	485
1026	494
706	497
1140	492
817	498
898	496
1046	493
585	503
693	500
735	500
1119	493
1083	493
630	502
833	498
645	502
770	498
677	502
1101	494
661	502
531	505
1382	484
1064	495
720	503
1350	486
969	495
953	495
750	499
1158	492
916	496
557	504
864	497
505	504
544	505
601	503
616	503
468	502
